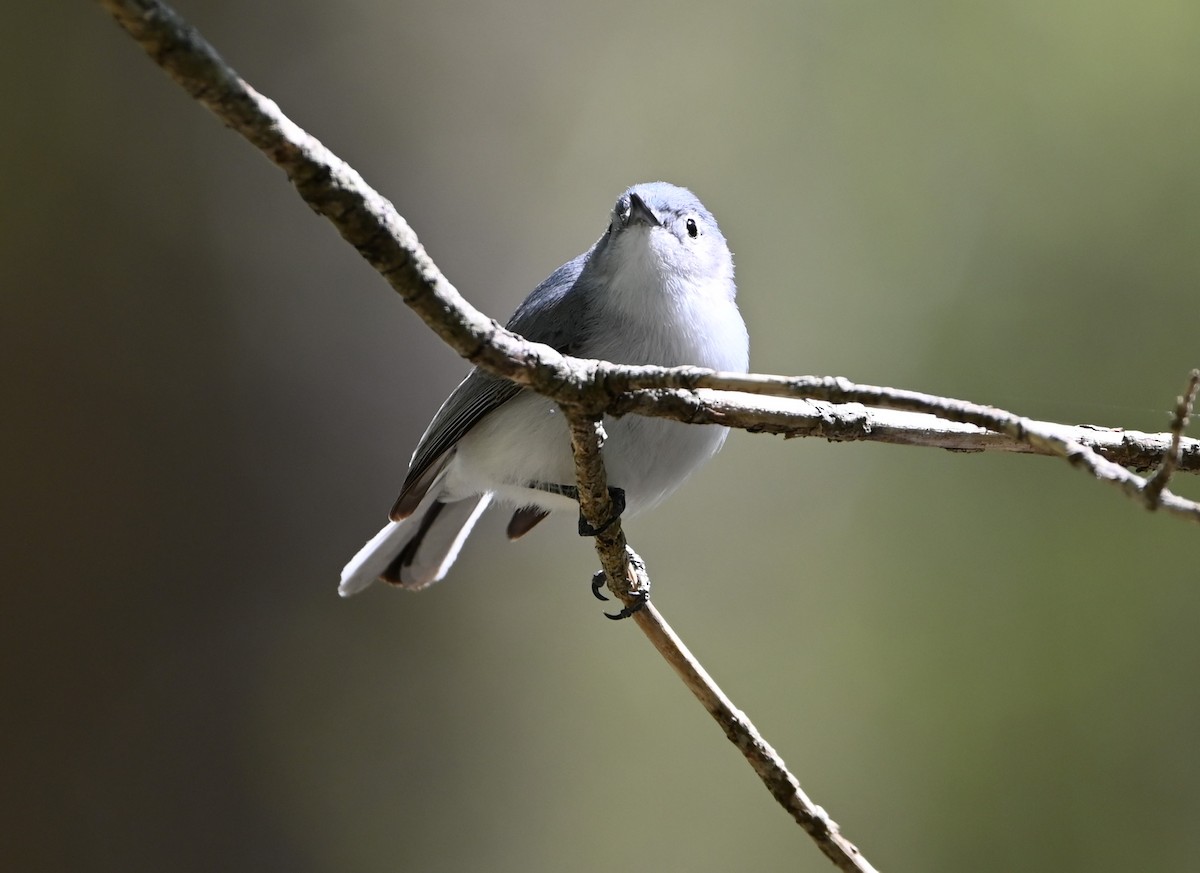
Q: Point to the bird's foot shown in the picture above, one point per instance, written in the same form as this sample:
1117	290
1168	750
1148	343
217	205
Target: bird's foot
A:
617	496
638	591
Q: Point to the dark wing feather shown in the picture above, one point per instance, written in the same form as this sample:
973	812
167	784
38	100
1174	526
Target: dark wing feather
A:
553	315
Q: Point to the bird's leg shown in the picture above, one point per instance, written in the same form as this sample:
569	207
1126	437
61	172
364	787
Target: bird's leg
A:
616	495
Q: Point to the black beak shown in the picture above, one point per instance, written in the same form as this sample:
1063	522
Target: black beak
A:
640	213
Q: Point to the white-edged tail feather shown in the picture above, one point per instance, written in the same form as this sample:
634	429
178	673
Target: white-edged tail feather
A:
439	545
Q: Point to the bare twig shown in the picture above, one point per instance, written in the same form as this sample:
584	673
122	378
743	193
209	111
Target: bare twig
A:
1171	460
631	585
742	733
596	506
371	224
853	422
333	189
1045	439
586	389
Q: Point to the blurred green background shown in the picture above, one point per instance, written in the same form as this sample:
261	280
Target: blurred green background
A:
973	662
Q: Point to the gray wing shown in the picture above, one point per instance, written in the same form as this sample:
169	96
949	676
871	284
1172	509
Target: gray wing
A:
554	314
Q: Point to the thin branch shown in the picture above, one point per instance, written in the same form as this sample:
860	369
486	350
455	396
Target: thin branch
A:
585	389
596	506
757	751
1045	439
853	422
1170	462
628	580
333	189
371	224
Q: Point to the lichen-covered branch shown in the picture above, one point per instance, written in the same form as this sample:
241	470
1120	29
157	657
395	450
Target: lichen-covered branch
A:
627	579
371	224
791	417
333	189
588	389
1042	437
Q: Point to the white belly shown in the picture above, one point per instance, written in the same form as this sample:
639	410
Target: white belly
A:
646	457
526	440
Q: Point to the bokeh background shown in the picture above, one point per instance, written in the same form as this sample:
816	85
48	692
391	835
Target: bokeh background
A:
973	662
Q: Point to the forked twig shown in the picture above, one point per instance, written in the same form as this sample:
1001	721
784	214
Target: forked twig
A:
586	389
371	224
1170	462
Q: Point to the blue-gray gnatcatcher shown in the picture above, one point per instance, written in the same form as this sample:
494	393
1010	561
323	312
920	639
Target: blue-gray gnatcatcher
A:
656	288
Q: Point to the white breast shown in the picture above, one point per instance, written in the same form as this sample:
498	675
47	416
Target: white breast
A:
637	320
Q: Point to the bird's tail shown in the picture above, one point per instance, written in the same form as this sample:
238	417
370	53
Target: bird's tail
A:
417	551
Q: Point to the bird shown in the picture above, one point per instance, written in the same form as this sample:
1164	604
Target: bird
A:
657	287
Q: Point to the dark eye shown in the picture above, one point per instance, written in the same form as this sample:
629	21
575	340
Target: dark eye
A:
693	231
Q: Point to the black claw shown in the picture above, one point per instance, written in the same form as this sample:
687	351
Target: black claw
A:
598	581
627	611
